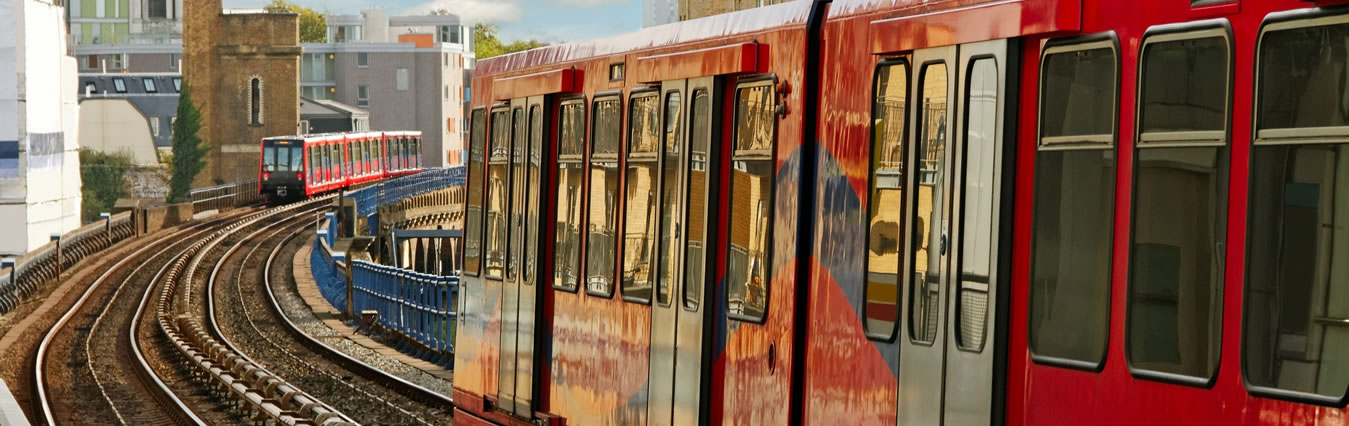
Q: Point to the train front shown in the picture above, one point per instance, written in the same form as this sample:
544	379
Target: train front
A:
281	173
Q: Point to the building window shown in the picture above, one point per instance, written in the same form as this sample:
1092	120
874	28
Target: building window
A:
444	31
255	100
90	88
454	34
173	121
363	60
177	84
886	202
750	253
154	126
1073	205
91	62
641	206
118	61
119	84
157	9
401	79
149	83
363	96
602	223
1296	344
173	61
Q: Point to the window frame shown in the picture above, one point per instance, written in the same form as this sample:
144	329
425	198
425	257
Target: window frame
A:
489	145
626	157
708	212
1279	21
362	60
770	80
898	61
583	214
590	161
119	84
1182	139
1107	40
149	84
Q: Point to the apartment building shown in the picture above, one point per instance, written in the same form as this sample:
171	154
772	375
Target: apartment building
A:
144	36
408	72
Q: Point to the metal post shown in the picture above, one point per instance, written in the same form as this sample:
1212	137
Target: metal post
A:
12	264
60	269
351	269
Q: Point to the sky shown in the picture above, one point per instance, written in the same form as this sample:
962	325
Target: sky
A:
550	21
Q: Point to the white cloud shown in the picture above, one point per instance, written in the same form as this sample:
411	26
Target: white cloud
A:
589	3
472	11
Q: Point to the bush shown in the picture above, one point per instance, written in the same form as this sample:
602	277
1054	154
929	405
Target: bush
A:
103	181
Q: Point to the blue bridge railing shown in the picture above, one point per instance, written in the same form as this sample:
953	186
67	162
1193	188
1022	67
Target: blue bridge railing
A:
418	306
394	190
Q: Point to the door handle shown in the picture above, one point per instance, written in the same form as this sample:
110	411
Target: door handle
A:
1335	322
943	244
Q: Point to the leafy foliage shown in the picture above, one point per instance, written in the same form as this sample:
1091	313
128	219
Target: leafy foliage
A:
189	154
313	25
103	181
486	44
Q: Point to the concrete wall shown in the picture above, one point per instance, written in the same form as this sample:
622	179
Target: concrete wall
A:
113	126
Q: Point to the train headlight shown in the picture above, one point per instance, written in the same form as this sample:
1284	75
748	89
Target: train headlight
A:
266	176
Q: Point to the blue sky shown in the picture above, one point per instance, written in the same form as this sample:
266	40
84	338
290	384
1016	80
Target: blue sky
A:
545	20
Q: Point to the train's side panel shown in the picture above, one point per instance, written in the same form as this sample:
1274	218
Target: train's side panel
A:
848	380
1043	394
477	347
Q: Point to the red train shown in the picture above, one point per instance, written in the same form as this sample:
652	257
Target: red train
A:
1027	212
302	166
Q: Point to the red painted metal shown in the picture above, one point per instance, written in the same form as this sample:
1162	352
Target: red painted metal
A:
539	83
722	60
988	21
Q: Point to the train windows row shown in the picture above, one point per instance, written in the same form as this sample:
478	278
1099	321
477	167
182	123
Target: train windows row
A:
662	159
1295	341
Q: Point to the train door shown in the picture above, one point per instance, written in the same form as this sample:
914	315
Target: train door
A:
520	293
947	351
678	317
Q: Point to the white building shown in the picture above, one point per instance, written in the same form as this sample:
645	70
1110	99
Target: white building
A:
39	159
659	12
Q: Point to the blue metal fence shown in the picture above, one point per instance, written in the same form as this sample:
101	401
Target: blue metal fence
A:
394	190
419	306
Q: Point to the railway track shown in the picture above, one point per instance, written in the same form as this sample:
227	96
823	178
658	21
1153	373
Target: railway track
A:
89	367
243	311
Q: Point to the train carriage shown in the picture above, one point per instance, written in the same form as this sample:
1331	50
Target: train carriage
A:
293	167
1027	212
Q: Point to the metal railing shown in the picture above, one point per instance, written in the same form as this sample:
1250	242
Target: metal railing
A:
418	306
369	198
22	278
225	196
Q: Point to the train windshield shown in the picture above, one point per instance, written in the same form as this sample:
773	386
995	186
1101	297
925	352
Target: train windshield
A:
283	156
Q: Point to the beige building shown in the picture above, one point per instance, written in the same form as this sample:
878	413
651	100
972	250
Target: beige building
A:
116	126
243	68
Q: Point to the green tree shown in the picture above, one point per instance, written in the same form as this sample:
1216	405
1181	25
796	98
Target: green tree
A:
486	44
189	154
313	25
103	181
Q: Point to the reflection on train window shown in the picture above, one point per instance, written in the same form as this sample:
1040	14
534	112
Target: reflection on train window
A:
498	195
1073	205
886	201
516	224
1297	288
313	163
749	263
695	249
1175	270
269	158
640	203
929	199
980	206
530	191
606	134
570	175
671	205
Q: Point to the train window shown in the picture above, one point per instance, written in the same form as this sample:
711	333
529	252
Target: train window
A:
517	190
925	295
282	159
606	133
473	205
640	203
530	190
749	263
695	248
313	164
669	263
977	257
1073	203
570	175
886	201
1175	257
1296	337
498	194
268	158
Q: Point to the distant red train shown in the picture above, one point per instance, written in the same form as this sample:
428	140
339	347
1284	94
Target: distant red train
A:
916	212
304	166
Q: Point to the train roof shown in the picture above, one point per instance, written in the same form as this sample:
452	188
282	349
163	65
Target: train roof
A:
712	27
